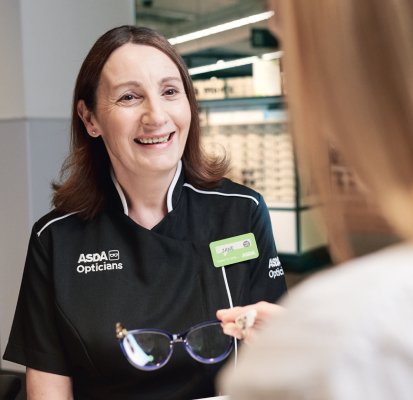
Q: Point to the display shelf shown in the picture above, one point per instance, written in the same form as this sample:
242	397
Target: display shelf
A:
269	102
254	132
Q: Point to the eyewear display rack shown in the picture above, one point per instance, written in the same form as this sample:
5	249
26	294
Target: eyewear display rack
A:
254	132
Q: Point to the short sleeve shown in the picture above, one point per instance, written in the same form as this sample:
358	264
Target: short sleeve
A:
267	275
34	339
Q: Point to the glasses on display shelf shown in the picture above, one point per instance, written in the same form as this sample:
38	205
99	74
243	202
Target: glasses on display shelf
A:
151	349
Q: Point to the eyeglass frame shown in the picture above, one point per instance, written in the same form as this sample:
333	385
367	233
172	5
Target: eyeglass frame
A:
122	333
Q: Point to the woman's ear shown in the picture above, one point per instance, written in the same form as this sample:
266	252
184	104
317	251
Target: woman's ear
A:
88	119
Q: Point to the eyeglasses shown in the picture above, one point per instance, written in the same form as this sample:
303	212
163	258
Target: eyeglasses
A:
151	349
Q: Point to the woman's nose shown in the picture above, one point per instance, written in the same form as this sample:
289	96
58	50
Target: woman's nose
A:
154	113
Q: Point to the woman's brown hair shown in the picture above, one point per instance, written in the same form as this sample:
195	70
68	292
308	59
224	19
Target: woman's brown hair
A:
87	167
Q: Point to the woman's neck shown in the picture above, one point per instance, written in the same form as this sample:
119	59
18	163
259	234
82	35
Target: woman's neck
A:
146	197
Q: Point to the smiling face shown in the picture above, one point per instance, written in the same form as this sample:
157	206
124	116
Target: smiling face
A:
142	112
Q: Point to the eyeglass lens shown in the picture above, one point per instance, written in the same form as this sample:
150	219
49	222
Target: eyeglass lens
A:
207	343
152	349
147	350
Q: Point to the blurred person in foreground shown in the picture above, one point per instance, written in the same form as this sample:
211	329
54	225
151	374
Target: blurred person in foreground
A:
346	332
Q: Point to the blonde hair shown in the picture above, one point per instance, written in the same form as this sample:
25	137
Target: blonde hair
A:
349	83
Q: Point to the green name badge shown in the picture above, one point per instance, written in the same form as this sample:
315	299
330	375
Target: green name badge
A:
234	250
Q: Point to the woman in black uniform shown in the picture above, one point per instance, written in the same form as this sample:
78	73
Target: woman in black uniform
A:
135	234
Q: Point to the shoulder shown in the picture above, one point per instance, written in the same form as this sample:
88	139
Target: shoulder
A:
384	268
359	290
227	191
52	219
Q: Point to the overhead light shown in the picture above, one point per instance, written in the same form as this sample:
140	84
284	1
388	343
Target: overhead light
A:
219	65
222	27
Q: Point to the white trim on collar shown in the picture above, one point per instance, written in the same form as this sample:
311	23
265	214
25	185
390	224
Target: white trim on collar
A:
120	192
168	196
171	189
223	194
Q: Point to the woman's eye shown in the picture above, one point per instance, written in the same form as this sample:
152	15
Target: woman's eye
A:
170	92
127	97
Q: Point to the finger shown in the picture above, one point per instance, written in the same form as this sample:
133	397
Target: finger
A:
232	330
229	314
247	319
249	336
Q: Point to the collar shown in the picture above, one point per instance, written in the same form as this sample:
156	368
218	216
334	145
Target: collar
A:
172	197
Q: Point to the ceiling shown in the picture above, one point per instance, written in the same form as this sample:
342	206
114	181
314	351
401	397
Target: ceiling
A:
177	17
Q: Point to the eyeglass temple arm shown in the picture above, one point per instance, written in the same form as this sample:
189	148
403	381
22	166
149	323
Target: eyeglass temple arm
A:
121	331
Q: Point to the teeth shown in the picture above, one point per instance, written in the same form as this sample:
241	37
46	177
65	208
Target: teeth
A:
161	139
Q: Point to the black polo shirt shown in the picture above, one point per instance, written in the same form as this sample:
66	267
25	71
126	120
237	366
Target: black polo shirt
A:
81	277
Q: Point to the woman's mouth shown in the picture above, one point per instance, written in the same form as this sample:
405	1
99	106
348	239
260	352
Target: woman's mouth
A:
154	140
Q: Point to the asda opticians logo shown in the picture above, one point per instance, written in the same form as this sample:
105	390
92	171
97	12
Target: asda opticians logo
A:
274	268
97	262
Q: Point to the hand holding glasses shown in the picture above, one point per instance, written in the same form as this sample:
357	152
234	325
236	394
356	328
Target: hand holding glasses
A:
151	349
245	321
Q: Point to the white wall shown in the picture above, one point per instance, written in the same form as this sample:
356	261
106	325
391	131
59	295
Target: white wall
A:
57	35
14	219
11	66
42	45
48	143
